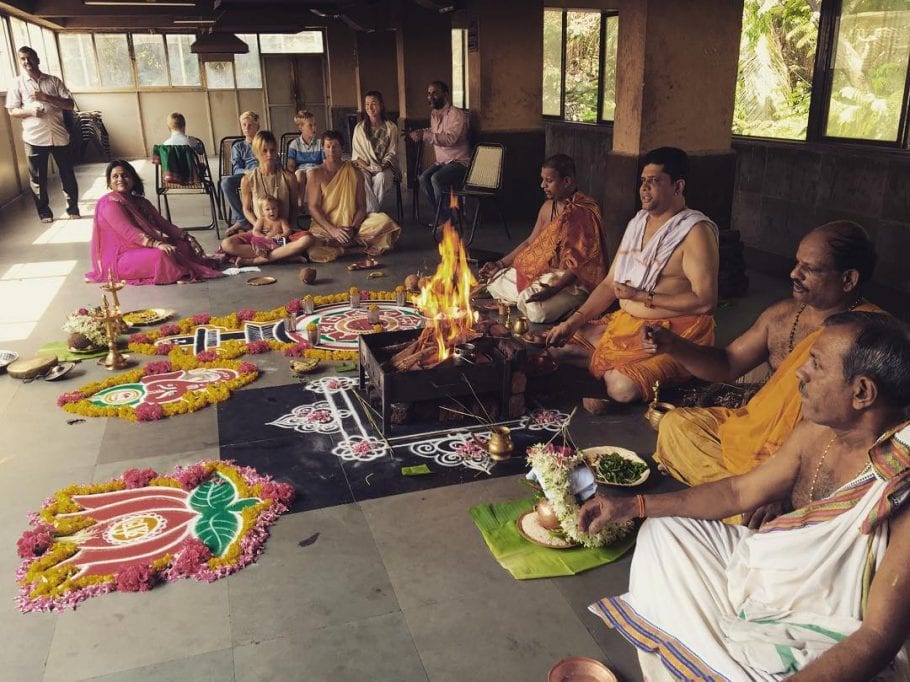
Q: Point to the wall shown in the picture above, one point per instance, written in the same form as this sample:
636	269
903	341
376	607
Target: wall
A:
784	190
13	169
377	67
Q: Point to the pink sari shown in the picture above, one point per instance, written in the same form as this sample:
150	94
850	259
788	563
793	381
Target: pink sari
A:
121	229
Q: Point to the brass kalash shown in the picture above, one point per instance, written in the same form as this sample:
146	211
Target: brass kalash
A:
112	319
447	359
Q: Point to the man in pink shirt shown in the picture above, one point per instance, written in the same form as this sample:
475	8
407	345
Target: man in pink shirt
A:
448	132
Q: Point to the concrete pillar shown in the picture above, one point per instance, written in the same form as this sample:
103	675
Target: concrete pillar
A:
675	86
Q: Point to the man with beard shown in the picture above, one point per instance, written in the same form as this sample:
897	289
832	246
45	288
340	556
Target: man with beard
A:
819	593
448	133
697	445
664	274
556	267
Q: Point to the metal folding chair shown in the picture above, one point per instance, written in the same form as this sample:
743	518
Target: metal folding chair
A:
224	169
181	169
483	181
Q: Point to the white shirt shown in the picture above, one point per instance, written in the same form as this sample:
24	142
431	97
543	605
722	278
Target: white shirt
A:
46	130
178	138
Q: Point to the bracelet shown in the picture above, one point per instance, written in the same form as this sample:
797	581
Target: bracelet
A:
640	502
650	301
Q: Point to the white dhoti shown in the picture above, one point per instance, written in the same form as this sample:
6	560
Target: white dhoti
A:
504	287
376	188
723	602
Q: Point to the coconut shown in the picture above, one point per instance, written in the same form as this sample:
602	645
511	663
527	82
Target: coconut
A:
307	275
411	283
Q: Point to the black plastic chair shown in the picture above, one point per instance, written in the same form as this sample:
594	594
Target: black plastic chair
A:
224	170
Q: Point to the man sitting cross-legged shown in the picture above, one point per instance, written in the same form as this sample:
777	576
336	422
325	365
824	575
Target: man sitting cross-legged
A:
559	264
665	273
820	593
696	444
337	201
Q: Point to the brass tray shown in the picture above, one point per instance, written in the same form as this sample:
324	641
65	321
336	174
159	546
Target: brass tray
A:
261	281
148	316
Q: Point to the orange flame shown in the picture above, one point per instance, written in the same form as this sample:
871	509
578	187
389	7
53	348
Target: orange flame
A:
446	299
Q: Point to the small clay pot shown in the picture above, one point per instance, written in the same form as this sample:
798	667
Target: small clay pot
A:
307	275
412	283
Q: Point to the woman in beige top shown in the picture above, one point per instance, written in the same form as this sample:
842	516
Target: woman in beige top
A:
375	150
267	180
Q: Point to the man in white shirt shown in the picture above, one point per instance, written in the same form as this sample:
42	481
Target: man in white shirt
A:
39	100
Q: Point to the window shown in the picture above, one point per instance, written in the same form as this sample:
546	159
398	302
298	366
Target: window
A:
8	65
460	68
219	75
305	42
51	56
78	56
246	66
114	63
20	32
870	70
776	60
830	69
41	40
183	64
579	64
150	59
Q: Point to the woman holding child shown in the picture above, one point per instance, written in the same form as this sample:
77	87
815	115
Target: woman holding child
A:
132	241
268	185
375	149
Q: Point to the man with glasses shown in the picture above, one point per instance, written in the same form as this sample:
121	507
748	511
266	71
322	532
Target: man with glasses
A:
448	133
664	274
697	445
39	100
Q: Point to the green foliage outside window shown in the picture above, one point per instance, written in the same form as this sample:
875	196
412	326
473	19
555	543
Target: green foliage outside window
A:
552	61
582	66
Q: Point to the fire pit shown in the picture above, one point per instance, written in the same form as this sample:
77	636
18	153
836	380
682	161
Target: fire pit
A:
445	380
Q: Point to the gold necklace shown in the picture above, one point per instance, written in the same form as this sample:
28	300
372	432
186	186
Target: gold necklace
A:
819	467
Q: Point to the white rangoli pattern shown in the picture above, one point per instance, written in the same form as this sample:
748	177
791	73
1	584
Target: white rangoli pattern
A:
316	418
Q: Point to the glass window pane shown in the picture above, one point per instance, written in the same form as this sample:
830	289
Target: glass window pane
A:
458	67
51	60
8	64
114	60
219	75
306	42
150	61
36	40
184	64
552	61
870	70
78	57
776	60
20	33
582	65
609	75
246	66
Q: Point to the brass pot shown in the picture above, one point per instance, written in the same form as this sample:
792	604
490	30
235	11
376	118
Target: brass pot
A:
546	517
520	325
656	412
500	444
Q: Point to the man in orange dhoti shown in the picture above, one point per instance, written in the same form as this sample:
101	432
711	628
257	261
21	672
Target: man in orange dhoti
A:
698	445
665	274
559	264
337	202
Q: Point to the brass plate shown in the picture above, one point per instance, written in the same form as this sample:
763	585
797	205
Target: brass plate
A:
261	281
530	529
592	455
7	357
149	316
580	669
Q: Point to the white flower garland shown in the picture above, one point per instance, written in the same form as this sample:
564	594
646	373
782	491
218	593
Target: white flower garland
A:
553	464
90	327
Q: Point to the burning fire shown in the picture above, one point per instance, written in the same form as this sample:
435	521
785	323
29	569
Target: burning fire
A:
446	299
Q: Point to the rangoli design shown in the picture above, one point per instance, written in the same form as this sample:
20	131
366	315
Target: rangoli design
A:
204	521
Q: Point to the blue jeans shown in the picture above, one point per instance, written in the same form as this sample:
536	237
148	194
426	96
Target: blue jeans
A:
438	179
230	189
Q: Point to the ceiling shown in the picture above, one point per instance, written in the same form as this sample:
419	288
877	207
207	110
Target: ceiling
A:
243	16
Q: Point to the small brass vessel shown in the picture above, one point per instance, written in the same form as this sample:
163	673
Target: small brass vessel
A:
657	409
500	444
546	517
520	325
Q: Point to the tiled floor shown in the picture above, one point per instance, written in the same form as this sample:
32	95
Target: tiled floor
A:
396	588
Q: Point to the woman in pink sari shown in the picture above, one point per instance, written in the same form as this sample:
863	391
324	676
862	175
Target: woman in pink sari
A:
132	240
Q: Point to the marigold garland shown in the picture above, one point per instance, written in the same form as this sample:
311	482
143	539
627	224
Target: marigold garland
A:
45	585
144	342
78	401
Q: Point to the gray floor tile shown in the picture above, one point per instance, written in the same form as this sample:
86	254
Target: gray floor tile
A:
215	665
378	649
126	441
121	631
319	568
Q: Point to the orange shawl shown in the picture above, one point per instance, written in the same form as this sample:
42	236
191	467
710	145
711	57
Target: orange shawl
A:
571	241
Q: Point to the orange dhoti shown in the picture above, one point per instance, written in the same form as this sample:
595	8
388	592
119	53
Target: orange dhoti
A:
620	348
